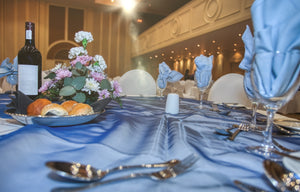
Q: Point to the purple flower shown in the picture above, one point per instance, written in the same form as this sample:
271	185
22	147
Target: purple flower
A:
84	60
62	73
103	94
117	87
45	86
97	76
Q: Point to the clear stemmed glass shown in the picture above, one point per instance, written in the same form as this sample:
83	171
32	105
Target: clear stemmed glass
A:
252	97
202	91
160	90
12	80
286	88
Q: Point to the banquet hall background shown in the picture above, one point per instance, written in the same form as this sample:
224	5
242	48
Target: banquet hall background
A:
208	27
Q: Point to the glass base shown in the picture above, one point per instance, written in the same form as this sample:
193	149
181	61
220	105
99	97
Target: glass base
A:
266	151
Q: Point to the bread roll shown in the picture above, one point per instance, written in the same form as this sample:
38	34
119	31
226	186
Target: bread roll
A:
68	105
36	106
54	109
81	109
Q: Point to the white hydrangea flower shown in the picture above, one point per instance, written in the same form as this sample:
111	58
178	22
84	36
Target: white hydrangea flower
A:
81	35
91	85
59	66
100	65
76	51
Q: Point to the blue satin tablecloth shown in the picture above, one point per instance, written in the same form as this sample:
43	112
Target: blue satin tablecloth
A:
140	132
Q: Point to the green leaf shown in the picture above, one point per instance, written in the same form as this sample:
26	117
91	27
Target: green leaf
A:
105	84
75	72
78	83
51	75
78	65
67	81
79	97
67	91
84	70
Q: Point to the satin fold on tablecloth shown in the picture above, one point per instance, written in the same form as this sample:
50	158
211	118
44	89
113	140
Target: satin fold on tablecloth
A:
140	132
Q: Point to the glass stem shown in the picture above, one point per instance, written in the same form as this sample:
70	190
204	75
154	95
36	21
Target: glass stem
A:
253	116
269	129
201	100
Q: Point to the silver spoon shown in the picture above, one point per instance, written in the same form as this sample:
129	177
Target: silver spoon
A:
280	177
87	173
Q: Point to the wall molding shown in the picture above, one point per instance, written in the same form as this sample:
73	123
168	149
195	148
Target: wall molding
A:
194	19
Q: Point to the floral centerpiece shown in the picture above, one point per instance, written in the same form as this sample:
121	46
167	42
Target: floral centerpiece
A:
84	80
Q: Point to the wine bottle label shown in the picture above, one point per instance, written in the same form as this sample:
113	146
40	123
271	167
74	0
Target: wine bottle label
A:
28	34
28	79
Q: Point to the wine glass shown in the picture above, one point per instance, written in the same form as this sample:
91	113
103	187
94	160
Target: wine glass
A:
203	90
161	92
273	90
161	87
252	97
12	81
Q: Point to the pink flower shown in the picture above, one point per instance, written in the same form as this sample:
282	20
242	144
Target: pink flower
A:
84	60
97	76
62	73
45	86
103	94
117	87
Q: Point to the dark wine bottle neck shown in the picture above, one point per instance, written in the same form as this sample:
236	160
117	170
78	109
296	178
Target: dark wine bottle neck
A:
30	42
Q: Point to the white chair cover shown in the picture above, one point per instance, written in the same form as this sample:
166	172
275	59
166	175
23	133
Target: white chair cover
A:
189	84
137	82
229	89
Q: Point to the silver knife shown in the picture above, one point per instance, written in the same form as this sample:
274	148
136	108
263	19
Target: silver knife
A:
247	187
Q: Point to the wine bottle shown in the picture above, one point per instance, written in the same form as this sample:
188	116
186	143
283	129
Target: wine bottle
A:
29	64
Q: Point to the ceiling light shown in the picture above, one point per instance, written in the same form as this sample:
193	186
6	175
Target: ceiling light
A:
213	41
128	5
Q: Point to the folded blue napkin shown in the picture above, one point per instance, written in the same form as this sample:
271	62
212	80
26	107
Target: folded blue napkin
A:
277	45
10	70
203	70
167	75
246	63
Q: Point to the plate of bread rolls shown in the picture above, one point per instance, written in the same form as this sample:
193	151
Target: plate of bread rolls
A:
44	112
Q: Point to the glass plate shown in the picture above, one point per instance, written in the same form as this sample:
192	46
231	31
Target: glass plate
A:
292	164
52	120
292	125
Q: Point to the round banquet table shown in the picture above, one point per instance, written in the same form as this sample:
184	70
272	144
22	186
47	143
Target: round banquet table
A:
139	132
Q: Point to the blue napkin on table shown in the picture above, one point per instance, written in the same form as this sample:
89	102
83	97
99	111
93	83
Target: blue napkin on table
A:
10	70
203	70
167	75
246	63
276	32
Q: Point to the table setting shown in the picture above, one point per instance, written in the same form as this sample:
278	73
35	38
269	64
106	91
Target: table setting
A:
134	143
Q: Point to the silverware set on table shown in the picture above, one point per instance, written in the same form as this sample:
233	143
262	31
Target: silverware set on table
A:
87	173
280	177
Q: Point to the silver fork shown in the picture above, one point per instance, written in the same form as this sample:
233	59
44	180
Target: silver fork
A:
242	127
167	173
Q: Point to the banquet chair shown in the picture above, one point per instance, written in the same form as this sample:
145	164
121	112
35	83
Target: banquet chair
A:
229	89
137	82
